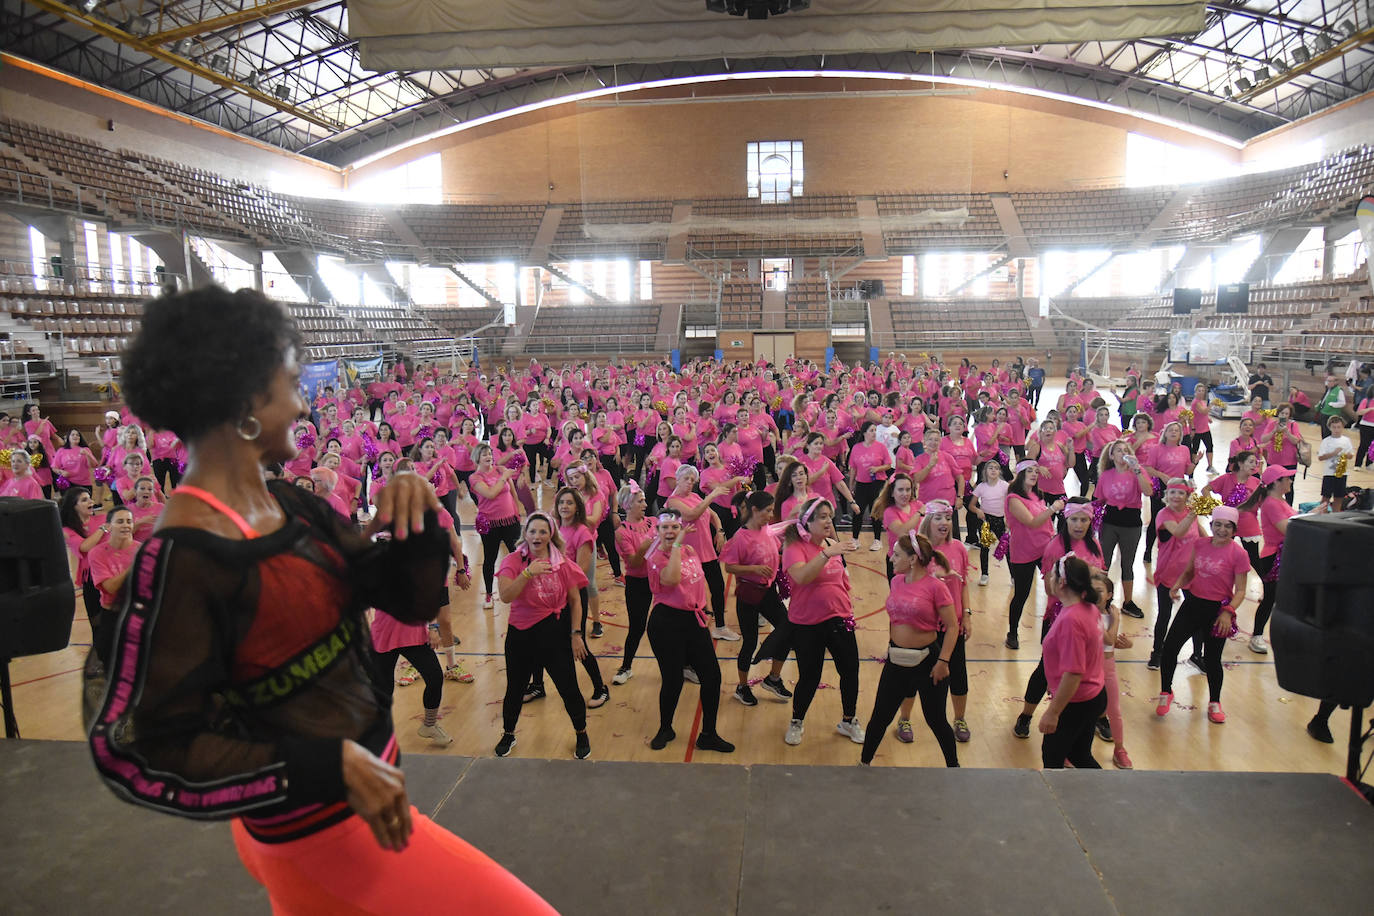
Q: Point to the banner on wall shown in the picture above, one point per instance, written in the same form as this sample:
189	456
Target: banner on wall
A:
315	376
1364	217
361	371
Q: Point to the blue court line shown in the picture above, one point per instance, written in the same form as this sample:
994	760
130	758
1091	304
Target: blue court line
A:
971	661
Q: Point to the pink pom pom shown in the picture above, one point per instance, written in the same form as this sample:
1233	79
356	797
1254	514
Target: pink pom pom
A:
1003	544
104	475
305	440
482	524
62	483
517	461
639	440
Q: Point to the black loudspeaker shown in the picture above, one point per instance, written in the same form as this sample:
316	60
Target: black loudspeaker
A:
56	263
37	599
1187	300
1323	625
1233	298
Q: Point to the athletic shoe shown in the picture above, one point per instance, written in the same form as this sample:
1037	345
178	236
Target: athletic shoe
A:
1022	727
600	552
435	734
1104	729
487	603
725	633
1196	661
584	746
690	674
1131	609
1318	729
407	675
621	676
745	695
714	742
961	732
1012	641
1215	714
599	698
775	686
1162	706
1122	760
795	729
904	732
875	546
618	581
1258	645
851	729
504	746
983	579
662	738
456	672
534	692
1153	663
597	632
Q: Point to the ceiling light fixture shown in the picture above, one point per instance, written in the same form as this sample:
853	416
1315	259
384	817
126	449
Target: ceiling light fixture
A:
1301	54
1243	84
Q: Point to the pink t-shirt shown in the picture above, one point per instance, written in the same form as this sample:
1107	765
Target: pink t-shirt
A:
574	536
697	533
1118	489
864	457
992	497
1173	553
667	468
1055	549
1215	569
502	505
72	464
83	563
690	592
1171	460
1224	486
1272	511
139	514
825	596
107	563
543	595
894	514
916	604
1074	646
628	539
964	453
940	482
388	633
1027	544
754	548
823	476
1202	420
956	554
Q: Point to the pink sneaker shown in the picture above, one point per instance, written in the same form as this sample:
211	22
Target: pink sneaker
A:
1165	701
1215	714
1122	760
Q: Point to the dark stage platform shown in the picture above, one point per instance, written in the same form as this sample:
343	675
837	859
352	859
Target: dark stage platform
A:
599	838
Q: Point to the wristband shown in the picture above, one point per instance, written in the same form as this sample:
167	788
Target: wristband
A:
434	627
945	660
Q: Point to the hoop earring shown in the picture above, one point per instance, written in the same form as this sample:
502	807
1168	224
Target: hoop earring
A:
257	428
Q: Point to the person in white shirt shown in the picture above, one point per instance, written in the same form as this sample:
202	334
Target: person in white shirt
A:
1337	451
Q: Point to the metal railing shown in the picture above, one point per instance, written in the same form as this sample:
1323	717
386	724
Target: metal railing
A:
591	343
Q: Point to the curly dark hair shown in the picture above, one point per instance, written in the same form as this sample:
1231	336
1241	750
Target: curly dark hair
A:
201	356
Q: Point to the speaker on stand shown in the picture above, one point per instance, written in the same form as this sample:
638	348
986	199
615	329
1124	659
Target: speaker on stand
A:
37	598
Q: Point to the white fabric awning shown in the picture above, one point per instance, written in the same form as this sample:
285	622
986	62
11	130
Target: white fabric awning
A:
468	34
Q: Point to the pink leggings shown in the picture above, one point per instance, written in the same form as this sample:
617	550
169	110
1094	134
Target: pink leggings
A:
341	871
1113	700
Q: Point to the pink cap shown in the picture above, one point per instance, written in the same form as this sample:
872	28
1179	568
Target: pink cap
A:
1226	514
1275	472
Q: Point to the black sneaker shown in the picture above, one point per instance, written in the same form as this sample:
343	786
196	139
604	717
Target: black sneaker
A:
1131	609
584	746
1153	663
1022	727
715	743
1196	659
775	686
1104	729
745	695
1320	730
1012	641
599	698
504	746
597	632
662	739
534	692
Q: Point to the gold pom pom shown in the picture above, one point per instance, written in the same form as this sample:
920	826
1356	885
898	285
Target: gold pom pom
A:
986	537
1342	464
1185	416
1202	504
1269	413
5	455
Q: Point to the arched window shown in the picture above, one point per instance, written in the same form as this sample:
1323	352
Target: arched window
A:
774	170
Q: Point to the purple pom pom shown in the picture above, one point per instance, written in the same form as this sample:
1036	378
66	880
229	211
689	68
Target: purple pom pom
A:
1273	574
849	624
639	440
784	585
62	483
1003	544
1099	510
482	524
1238	495
104	475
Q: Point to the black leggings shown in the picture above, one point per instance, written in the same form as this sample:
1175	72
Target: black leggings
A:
728	522
533	452
1164	604
605	537
1036	685
590	663
506	534
715	582
1080	471
895	684
1072	739
1196	614
998	524
612	465
425	662
678	640
771	608
544	645
166	467
1362	453
1271	591
811	640
958	668
638	599
1022	581
866	494
450	503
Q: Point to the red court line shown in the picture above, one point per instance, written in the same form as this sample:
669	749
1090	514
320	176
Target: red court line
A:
34	680
692	738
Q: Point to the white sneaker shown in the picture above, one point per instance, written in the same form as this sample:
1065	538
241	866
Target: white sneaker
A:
852	728
690	674
794	732
435	734
724	633
621	676
983	579
487	603
875	546
1258	645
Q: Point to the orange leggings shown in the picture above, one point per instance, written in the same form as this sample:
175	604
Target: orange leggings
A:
341	871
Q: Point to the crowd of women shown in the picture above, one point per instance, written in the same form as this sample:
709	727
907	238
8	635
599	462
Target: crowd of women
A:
767	474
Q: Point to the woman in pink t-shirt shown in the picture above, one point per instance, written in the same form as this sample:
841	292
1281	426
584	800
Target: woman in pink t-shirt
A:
74	461
1073	669
111	560
632	540
919	610
1121	486
751	556
542	587
678	633
1274	513
1177	527
1212	584
1169	458
938	528
794	489
870	463
822	615
1029	529
22	484
498	516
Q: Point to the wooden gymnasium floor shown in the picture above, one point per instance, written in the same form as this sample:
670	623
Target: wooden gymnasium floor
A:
1264	731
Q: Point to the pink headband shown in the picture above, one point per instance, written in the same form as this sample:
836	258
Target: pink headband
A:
938	507
669	517
1072	509
806	517
635	488
1024	465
